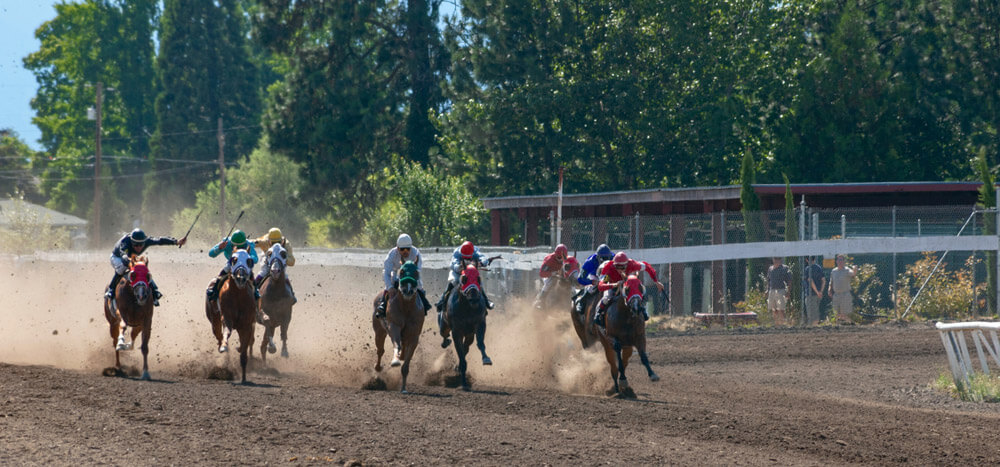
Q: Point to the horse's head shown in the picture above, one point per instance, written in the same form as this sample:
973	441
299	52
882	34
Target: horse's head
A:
469	283
279	259
241	264
138	279
409	278
633	293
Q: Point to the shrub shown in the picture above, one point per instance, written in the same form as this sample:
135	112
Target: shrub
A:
947	295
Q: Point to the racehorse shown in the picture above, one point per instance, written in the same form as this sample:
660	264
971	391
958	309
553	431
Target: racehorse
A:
559	295
131	307
275	303
235	308
582	323
403	321
625	329
465	317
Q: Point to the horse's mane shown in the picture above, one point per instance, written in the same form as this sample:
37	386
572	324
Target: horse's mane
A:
138	259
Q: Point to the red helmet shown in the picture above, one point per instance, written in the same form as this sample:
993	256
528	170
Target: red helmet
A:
561	251
467	249
620	259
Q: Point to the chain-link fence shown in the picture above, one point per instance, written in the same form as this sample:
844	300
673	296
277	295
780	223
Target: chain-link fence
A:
885	283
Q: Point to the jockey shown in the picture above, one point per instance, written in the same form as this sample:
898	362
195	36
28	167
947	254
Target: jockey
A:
589	277
236	241
464	255
404	251
265	243
552	264
613	273
135	243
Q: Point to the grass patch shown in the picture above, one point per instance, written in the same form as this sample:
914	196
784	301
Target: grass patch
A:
981	388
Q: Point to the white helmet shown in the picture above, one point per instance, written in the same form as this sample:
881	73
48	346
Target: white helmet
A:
404	241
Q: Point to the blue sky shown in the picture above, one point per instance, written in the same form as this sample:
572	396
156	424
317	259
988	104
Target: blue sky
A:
18	21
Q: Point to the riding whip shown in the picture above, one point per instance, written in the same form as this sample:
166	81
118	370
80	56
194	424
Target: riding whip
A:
189	228
234	224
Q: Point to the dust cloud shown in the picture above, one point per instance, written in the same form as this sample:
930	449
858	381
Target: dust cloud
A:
52	315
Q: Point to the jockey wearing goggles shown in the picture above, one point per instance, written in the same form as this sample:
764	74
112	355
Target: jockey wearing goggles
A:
465	254
613	273
236	241
404	251
265	243
589	277
135	243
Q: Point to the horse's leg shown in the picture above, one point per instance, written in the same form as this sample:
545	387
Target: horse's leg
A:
380	334
612	357
146	331
462	348
444	329
224	347
246	344
284	332
122	331
481	342
396	336
641	348
622	380
214	315
410	339
135	333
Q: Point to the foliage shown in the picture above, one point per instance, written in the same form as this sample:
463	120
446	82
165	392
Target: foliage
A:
868	290
15	163
266	185
750	202
436	210
204	73
949	294
791	235
981	387
27	232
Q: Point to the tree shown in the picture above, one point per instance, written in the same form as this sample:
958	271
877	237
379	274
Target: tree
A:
791	235
204	73
15	164
988	200
750	202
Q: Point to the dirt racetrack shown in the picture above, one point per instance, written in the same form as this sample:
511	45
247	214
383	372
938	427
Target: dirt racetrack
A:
856	394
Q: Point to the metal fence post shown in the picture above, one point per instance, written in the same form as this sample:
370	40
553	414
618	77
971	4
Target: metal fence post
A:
802	236
638	244
843	226
996	211
725	273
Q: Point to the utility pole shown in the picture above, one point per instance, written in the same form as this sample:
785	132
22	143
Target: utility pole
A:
97	166
222	178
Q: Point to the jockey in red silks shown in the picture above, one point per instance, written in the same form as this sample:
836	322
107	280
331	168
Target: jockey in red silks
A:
464	255
555	264
613	273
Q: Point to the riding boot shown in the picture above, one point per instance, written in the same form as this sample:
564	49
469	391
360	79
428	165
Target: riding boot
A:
380	309
213	288
110	292
489	303
423	298
599	314
156	292
440	304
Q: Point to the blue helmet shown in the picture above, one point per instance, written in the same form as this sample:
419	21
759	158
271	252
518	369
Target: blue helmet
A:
604	253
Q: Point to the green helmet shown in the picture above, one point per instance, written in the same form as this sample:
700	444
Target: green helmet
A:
239	238
409	272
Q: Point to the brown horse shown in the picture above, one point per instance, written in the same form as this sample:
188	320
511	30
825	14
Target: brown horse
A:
275	303
403	321
235	308
585	330
131	307
625	329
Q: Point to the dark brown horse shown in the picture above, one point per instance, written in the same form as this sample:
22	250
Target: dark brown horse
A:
465	318
404	319
582	323
275	303
235	308
131	307
625	328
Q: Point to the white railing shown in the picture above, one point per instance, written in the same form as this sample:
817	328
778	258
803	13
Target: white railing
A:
959	358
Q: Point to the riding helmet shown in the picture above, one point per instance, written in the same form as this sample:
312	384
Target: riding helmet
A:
604	252
561	251
137	236
239	238
274	235
621	258
404	241
467	250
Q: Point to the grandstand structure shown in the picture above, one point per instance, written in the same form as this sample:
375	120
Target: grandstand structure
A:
698	235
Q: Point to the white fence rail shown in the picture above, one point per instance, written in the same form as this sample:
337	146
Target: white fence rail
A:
959	357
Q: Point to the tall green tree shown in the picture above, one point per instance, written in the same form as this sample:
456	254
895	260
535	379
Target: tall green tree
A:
988	200
750	208
15	166
204	73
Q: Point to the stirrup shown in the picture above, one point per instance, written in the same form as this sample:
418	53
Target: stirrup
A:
156	302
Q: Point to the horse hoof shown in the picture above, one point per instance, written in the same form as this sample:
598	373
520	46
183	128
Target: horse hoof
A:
404	391
445	343
121	347
223	349
145	376
271	348
654	377
284	353
395	362
487	361
378	367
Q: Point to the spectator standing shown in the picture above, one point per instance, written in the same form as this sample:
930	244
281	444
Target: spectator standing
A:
815	283
778	278
840	289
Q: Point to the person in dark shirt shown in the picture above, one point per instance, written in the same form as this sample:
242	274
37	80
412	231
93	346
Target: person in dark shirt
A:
778	277
135	243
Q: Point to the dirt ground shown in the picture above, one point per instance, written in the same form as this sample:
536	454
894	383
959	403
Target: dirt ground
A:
854	394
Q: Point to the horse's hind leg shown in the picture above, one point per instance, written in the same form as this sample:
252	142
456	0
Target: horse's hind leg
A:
481	342
622	356
215	318
265	343
612	357
444	329
122	332
145	347
641	348
380	334
462	348
409	347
